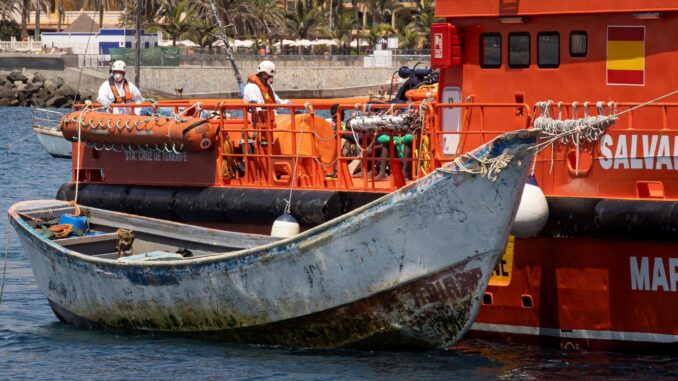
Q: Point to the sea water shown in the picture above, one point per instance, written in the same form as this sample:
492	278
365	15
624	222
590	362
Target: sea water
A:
34	345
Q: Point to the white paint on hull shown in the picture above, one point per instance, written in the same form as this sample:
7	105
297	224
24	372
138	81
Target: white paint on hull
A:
586	334
54	142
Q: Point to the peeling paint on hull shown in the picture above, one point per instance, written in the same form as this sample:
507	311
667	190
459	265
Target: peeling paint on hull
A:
416	315
406	270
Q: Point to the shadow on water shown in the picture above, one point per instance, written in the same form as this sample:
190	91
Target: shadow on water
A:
35	346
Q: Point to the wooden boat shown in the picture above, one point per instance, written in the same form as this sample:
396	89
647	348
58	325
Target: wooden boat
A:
382	275
46	128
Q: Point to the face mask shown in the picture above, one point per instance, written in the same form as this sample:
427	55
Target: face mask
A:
269	80
117	77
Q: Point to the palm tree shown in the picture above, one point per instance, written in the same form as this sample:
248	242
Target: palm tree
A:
39	6
343	26
8	8
237	15
25	14
409	38
149	11
304	22
376	32
423	18
177	18
268	20
204	32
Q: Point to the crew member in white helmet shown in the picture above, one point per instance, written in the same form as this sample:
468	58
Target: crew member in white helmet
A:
118	90
259	87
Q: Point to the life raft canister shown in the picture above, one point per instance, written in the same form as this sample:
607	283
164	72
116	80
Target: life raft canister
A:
188	134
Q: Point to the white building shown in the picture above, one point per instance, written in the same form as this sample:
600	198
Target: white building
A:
83	37
97	43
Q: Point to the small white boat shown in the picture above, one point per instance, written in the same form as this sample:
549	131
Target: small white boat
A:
406	270
46	128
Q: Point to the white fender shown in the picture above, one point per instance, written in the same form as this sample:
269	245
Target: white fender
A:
285	226
533	212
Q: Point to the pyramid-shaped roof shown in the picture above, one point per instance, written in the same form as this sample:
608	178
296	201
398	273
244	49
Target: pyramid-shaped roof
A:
83	24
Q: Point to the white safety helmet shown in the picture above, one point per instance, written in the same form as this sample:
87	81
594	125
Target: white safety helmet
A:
119	66
267	67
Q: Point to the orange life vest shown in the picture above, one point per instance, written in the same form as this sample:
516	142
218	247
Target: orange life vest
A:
114	89
266	90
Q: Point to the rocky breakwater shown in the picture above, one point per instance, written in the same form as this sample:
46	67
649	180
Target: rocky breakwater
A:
25	88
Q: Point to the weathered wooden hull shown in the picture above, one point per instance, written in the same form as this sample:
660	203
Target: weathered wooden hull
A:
408	269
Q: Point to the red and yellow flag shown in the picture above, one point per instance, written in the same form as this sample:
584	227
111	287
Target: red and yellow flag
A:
625	55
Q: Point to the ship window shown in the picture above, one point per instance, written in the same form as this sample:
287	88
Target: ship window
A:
519	50
548	49
578	42
490	50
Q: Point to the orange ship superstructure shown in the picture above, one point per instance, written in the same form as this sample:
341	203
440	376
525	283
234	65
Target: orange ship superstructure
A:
604	270
599	77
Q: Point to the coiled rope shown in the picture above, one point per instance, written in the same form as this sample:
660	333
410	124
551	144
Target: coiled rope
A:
489	168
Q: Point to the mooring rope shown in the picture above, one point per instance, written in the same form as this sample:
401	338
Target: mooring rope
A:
288	207
578	129
488	167
4	265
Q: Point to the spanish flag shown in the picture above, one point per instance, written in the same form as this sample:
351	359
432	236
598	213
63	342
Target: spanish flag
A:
625	55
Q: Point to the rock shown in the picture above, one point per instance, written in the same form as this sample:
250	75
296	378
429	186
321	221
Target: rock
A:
3	82
50	84
66	91
38	78
20	85
56	101
15	102
30	90
7	94
53	83
18	76
59	81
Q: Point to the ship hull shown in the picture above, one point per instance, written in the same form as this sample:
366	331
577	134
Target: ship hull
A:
585	293
54	143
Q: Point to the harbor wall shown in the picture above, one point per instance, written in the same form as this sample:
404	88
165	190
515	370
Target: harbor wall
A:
295	79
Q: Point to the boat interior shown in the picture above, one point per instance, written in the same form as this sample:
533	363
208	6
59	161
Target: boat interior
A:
127	238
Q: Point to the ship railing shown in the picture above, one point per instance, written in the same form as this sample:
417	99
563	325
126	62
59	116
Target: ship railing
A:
45	119
256	150
460	127
576	156
356	164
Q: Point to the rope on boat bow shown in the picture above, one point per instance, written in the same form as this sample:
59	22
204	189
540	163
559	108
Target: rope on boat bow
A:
487	167
574	131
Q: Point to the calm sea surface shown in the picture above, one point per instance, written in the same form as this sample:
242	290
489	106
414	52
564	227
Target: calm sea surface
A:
34	345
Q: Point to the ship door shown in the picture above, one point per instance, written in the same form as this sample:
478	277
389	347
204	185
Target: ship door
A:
451	121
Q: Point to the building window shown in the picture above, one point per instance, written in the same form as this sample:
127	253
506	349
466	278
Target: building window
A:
578	44
519	50
490	50
548	49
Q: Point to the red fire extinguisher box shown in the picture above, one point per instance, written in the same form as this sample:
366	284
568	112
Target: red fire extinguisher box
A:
445	46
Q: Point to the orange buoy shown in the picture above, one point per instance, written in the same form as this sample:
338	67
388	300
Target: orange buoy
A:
188	134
